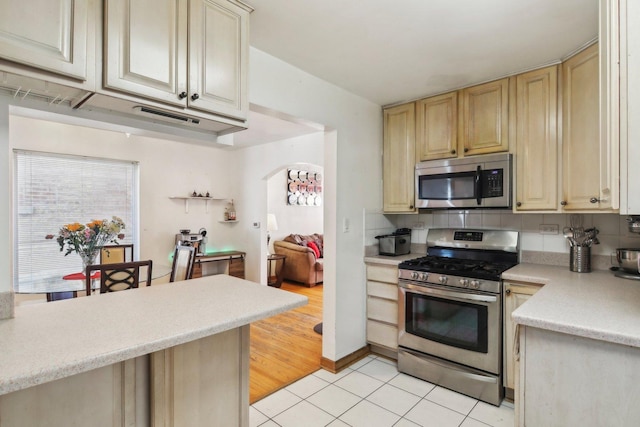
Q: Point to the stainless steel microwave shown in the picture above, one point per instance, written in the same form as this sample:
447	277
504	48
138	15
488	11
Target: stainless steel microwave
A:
481	182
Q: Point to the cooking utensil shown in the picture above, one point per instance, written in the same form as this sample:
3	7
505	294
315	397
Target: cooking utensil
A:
628	259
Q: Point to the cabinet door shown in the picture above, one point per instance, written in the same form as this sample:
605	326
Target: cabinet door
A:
537	140
485	118
47	34
146	53
581	133
218	57
399	159
515	296
437	127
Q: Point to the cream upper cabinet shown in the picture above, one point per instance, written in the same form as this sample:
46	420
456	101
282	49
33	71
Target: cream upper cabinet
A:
398	163
218	57
146	53
515	294
50	35
186	53
537	140
437	127
587	180
484	122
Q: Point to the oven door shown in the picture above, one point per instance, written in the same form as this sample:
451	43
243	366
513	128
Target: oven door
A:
458	325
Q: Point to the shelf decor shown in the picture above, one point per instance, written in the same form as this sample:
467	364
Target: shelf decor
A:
304	188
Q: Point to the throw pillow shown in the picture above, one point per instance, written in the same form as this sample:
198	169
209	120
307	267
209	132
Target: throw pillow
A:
314	248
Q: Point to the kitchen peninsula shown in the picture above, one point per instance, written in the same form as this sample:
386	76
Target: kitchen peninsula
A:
174	354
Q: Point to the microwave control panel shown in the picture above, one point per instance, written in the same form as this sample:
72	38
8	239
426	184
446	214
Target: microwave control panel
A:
492	180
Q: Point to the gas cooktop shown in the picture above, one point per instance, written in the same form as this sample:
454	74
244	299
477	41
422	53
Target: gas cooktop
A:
476	269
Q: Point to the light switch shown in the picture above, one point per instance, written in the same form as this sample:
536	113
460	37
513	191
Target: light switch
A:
345	225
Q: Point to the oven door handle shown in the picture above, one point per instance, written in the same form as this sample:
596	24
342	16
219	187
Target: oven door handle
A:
478	185
444	293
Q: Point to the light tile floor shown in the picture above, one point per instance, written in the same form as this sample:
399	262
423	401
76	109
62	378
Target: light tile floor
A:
373	393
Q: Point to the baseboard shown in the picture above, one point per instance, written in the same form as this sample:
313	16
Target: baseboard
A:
339	365
385	352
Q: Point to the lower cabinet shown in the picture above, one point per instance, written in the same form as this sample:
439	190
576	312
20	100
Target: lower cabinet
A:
382	308
515	294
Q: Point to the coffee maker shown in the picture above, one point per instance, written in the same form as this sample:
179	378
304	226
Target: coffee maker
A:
198	241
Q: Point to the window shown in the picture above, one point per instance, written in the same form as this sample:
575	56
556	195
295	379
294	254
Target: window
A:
52	190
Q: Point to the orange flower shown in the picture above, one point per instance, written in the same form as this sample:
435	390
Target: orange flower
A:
73	227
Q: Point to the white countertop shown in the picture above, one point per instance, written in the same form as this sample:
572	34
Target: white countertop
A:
45	342
390	260
594	305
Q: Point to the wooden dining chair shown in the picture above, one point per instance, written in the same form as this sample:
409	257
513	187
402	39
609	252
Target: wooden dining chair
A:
183	259
114	254
118	277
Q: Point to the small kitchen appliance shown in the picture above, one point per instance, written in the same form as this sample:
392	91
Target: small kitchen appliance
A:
189	239
396	243
450	310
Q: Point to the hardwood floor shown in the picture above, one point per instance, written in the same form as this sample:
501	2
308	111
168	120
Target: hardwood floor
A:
284	348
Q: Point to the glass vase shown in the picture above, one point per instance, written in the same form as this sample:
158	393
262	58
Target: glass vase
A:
88	258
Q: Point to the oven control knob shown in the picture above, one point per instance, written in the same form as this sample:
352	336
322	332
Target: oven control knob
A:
424	276
414	275
475	284
443	279
464	282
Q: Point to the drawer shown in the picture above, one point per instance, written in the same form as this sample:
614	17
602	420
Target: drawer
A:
381	273
382	309
382	290
382	334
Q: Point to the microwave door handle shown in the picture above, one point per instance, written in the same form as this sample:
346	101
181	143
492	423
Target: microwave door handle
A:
478	186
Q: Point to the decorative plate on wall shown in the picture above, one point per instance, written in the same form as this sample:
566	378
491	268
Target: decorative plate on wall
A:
304	188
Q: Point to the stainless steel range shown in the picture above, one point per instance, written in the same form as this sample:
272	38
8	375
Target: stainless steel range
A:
450	310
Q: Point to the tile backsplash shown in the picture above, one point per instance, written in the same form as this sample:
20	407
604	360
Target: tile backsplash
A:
613	228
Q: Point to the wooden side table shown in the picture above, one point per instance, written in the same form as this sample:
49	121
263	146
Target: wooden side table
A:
275	264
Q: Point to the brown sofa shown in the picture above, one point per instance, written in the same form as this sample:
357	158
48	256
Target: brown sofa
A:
301	264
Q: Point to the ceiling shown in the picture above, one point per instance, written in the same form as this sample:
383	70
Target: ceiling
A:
392	51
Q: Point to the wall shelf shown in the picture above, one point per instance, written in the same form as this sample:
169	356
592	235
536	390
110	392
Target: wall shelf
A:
187	198
227	221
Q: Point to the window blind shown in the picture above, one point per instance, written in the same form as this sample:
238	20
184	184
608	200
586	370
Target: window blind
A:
52	190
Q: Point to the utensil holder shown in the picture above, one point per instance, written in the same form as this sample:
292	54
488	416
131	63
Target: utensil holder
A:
580	259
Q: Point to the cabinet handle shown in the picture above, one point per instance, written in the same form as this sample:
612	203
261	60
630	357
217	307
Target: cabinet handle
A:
411	207
195	96
182	95
563	203
507	291
466	150
453	151
518	204
594	200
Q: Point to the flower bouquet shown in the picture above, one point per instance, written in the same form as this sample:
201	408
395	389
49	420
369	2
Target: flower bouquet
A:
87	239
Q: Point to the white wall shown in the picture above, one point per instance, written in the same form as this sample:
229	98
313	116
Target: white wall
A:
256	165
353	177
293	219
166	169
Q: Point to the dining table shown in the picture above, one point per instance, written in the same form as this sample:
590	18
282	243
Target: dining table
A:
76	282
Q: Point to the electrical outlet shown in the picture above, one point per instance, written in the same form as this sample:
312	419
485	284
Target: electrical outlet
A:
549	229
418	226
256	225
